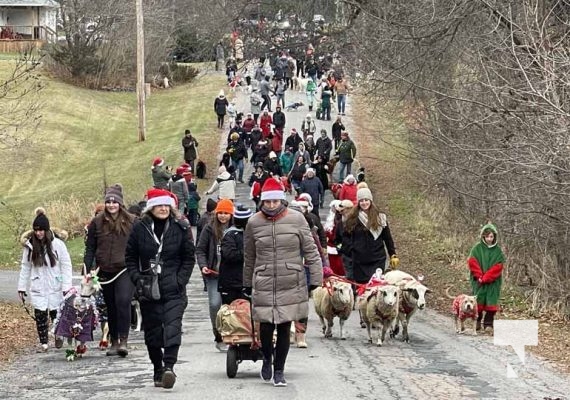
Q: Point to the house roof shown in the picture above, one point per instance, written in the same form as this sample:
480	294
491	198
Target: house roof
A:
28	3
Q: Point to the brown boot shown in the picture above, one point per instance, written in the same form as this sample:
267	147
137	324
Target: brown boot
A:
113	350
122	350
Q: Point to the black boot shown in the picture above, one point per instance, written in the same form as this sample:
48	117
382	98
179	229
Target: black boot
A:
479	319
157	378
310	108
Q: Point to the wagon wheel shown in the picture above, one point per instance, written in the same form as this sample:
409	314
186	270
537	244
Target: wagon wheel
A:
232	362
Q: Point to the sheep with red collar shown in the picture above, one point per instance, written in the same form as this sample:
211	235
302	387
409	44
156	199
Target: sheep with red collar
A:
379	307
413	298
334	299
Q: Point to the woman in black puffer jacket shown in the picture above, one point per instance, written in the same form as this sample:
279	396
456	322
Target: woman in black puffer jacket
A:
161	227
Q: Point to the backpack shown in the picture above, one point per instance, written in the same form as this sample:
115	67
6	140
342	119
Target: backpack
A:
200	169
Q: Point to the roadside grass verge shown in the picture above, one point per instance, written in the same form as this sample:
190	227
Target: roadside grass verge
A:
88	139
430	238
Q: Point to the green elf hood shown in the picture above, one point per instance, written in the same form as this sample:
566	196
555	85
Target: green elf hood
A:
492	228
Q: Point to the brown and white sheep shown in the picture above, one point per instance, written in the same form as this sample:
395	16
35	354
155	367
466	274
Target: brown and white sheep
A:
379	307
334	299
413	298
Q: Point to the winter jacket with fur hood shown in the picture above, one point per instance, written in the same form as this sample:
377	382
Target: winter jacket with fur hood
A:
46	283
275	248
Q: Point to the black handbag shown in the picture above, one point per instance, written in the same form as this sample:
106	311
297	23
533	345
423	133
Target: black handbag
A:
147	286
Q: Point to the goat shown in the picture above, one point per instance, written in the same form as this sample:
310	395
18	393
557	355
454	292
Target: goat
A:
334	299
380	306
78	315
413	298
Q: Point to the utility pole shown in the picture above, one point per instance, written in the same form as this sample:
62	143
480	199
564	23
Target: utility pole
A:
140	72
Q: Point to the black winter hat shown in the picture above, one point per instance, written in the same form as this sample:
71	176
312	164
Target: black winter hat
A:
41	222
211	205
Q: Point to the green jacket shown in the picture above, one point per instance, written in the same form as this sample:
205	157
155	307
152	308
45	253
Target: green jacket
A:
486	266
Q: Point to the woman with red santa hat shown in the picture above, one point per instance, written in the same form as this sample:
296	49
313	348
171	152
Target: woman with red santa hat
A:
160	245
277	244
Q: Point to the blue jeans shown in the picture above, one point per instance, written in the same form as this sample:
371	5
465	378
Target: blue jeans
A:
214	299
348	167
238	165
341	102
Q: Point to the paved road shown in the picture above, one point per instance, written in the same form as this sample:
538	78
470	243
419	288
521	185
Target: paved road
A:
436	364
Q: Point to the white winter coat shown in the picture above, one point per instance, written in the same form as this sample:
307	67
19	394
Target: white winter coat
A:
47	284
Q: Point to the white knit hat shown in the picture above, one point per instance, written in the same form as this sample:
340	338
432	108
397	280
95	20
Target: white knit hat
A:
364	193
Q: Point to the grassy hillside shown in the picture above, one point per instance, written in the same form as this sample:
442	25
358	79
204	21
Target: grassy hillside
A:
86	135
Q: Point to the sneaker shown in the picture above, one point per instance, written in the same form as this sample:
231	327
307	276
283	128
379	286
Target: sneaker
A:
266	371
279	379
58	342
43	348
168	378
221	346
157	378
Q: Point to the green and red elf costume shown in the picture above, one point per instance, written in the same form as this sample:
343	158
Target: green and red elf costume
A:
486	266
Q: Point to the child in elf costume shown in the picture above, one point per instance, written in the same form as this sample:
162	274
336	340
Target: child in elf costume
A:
486	266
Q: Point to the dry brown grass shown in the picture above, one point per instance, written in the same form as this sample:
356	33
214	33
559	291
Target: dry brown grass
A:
17	331
429	238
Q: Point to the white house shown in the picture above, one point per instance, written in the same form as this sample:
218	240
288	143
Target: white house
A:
27	20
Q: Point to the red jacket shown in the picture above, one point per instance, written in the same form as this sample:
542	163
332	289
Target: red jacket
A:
265	125
348	192
277	141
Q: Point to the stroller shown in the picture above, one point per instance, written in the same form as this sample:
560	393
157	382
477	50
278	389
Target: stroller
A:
240	333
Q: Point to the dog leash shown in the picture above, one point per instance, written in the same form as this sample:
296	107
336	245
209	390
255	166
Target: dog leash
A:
27	309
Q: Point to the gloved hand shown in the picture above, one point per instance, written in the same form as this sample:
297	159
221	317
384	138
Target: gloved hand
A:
22	294
246	291
394	262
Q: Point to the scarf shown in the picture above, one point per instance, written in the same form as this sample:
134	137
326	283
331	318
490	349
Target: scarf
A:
272	214
363	218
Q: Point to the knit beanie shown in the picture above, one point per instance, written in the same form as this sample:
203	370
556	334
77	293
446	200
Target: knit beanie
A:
114	193
41	222
364	193
242	212
272	190
211	205
225	206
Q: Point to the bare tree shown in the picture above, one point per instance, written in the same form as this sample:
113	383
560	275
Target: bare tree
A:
19	103
487	84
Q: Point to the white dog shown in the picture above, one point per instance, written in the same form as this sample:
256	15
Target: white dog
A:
300	84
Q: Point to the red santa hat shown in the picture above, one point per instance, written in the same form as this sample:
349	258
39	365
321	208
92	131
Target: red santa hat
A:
158	162
160	197
272	190
306	197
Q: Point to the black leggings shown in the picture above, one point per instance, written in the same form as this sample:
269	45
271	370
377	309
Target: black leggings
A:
118	295
220	120
282	345
42	323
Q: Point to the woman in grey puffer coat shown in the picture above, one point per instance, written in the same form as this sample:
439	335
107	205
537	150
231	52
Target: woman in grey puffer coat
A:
278	242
